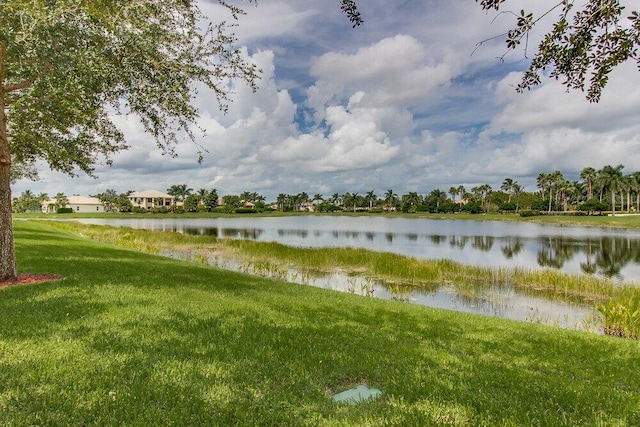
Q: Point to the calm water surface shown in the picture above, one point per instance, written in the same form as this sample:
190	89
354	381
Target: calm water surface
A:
605	252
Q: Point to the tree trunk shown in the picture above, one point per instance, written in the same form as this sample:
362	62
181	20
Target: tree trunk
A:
613	202
8	269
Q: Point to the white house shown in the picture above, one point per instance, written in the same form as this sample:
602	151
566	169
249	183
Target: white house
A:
79	204
150	199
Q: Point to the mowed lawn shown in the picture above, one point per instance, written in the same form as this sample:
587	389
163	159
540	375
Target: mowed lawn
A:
127	338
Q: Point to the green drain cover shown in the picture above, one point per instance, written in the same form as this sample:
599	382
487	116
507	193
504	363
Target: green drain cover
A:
356	395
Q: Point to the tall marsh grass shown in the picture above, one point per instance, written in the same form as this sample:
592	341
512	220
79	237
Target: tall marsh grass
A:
619	304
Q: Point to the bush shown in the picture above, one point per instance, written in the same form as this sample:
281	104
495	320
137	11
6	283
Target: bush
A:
448	207
161	209
593	205
508	207
177	209
139	210
375	210
64	210
472	207
527	213
245	211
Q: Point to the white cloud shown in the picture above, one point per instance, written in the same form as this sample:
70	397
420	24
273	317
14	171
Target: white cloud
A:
399	103
354	142
393	72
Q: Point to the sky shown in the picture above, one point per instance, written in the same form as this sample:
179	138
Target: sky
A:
407	102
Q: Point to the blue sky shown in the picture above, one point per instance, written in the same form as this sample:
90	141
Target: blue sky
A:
405	102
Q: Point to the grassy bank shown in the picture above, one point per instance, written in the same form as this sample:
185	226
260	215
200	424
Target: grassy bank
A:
128	338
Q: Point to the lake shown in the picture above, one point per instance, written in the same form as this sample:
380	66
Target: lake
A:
604	252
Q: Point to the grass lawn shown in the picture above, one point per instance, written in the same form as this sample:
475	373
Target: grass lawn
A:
128	338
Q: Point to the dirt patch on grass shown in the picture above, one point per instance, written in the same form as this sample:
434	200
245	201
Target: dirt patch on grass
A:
29	279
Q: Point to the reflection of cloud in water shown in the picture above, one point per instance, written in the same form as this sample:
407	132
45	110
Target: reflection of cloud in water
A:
578	250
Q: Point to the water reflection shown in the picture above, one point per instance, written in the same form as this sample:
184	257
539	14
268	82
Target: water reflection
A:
580	250
498	300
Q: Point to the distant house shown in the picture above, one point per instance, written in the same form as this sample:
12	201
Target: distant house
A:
79	204
150	199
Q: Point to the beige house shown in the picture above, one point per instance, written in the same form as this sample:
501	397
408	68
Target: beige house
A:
150	199
79	204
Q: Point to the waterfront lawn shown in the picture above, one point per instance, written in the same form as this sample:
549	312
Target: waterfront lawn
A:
127	338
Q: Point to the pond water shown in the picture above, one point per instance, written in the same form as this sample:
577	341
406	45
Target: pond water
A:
497	300
605	252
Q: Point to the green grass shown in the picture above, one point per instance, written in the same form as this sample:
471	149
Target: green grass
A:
128	338
618	221
619	304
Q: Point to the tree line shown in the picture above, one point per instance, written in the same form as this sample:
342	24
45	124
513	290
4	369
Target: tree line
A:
606	189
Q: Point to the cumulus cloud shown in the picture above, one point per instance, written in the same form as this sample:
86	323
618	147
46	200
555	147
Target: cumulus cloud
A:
393	72
354	142
399	103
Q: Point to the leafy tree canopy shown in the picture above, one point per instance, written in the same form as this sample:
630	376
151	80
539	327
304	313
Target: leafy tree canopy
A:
586	42
67	64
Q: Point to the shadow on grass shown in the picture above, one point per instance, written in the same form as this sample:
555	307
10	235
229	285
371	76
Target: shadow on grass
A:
150	339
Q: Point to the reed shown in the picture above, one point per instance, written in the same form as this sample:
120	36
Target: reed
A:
611	299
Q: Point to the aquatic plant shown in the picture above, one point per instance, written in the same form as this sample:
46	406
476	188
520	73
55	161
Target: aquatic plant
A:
619	304
621	320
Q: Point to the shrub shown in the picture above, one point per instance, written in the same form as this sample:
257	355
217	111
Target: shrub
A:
64	210
139	210
593	205
508	207
527	213
245	211
473	207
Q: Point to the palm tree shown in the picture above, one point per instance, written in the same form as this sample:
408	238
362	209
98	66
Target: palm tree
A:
611	178
454	192
628	184
347	200
61	201
390	199
565	189
354	198
371	198
481	193
636	186
557	182
301	200
179	192
336	199
544	182
412	198
438	196
507	187
202	195
517	190
589	174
